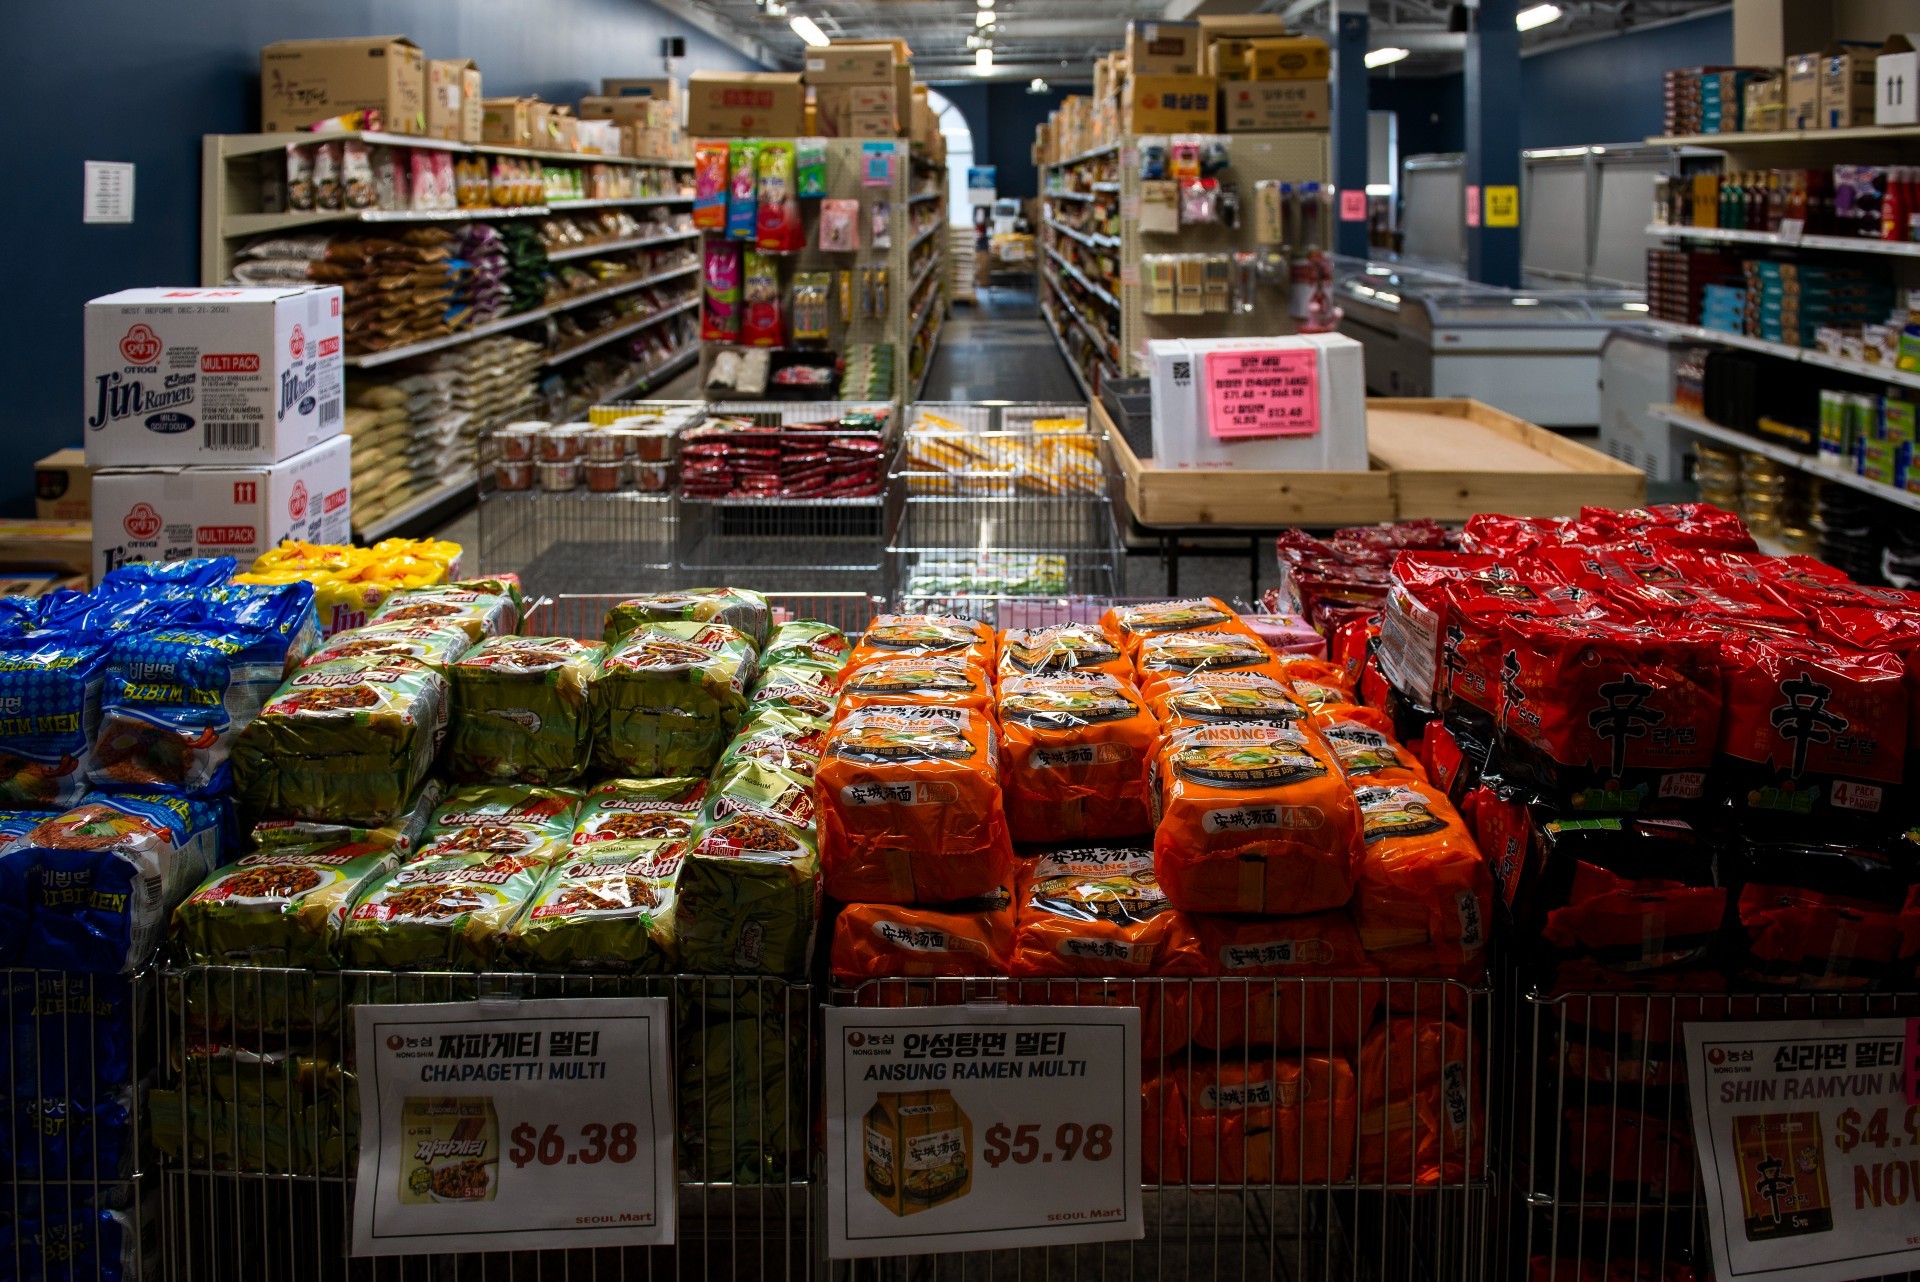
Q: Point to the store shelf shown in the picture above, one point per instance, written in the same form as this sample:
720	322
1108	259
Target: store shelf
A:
619	246
922	276
1836	244
1089	239
1103	188
1066	354
1790	137
1070	195
1805	355
1078	275
915	242
653	377
1101	344
464	487
919	196
1111	149
1810	464
259	144
239	226
926	366
617	332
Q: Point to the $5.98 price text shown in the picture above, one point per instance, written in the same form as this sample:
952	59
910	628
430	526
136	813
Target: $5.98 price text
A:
617	1145
1024	1145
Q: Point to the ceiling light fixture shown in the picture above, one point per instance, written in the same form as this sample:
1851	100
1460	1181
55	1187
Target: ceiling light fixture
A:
808	30
1038	85
1538	15
983	60
1384	57
986	4
984	18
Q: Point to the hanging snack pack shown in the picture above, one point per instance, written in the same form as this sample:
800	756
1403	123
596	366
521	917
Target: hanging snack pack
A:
282	906
935	681
347	740
710	177
519	709
914	636
744	611
602	908
1078	748
760	288
899	941
721	310
1424	898
743	190
911	807
1066	647
779	229
447	911
1253	818
749	898
45	760
1271	1120
668	697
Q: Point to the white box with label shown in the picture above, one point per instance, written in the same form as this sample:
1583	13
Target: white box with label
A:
212	375
1896	99
168	513
1182	431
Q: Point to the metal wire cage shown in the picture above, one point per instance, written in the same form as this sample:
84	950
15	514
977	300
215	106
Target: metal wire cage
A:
255	1117
583	615
1307	1129
1601	1177
77	1197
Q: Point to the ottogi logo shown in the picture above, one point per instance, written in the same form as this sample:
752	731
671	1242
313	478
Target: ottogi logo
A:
224	536
141	346
297	344
142	522
297	503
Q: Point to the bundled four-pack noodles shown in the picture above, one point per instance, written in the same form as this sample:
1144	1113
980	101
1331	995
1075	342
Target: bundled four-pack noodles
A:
602	907
923	636
103	877
52	1135
1270	1120
1224	698
54	680
404	833
519	709
632	811
502	819
65	1236
1255	998
806	643
911	807
1253	818
1362	743
1422	1103
483	607
1171	656
1424	901
1078	747
804	690
1639	1155
446	911
900	941
791	741
1064	647
667	698
1820	918
282	906
346	740
1129	625
749	896
947	682
743	611
432	644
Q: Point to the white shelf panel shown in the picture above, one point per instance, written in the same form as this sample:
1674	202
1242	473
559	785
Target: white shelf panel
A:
618	246
235	226
1836	244
1805	355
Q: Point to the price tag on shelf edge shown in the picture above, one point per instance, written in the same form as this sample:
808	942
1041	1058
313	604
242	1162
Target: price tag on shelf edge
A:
1807	1141
972	1128
514	1125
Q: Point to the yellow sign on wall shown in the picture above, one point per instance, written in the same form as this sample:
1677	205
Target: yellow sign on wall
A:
1503	206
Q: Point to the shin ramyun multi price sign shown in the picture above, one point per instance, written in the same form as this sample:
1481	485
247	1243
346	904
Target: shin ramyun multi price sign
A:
1809	1148
980	1127
514	1125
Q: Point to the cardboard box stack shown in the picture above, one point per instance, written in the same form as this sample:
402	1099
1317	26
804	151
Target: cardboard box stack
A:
1846	85
745	104
861	89
212	421
303	82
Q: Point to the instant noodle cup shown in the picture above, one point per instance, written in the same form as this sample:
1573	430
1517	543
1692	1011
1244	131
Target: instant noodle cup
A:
601	908
930	680
1257	997
1253	818
1077	751
736	608
636	812
924	636
1223	698
1362	742
280	907
807	643
480	612
749	899
759	788
45	758
1819	918
1066	647
898	941
802	690
519	709
1278	1120
1128	625
502	819
789	740
446	911
1161	658
1421	1099
668	697
433	645
1424	896
911	807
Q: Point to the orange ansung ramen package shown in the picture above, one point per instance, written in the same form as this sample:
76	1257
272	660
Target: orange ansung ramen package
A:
923	636
1254	999
1422	1103
1065	647
947	682
1160	659
1128	625
1362	742
1270	1120
1253	818
1222	698
1078	748
910	807
1425	894
1318	684
893	941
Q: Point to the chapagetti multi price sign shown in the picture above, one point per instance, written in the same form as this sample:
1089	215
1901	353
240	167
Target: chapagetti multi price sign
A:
514	1125
975	1128
1809	1148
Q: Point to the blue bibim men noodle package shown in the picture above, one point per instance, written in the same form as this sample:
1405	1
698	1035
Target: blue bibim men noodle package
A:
65	1035
14	914
49	713
70	1234
60	1136
104	877
149	576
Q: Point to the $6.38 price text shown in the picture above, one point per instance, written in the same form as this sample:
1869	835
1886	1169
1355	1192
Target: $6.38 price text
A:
617	1144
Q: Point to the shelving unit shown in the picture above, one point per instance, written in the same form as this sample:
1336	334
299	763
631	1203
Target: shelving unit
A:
1812	465
1738	236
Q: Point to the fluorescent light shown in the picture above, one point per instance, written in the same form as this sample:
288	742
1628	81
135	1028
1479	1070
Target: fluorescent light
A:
1037	85
984	18
983	60
1379	189
986	4
1634	307
1384	57
1538	15
808	30
1526	302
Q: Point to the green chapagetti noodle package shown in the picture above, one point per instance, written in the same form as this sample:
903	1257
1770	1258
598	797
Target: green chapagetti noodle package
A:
808	691
806	642
668	697
741	1114
749	899
449	910
640	811
519	709
404	833
502	819
483	607
346	741
737	608
604	907
256	1111
432	643
283	906
792	741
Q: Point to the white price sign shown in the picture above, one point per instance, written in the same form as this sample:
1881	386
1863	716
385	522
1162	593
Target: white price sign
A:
1808	1144
514	1126
976	1128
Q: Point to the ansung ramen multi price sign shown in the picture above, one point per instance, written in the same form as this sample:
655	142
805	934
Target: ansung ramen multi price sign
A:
514	1125
981	1127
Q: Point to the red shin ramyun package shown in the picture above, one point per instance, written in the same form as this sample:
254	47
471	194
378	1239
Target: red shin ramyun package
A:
1490	532
1819	918
1412	621
1686	525
1607	716
1472	645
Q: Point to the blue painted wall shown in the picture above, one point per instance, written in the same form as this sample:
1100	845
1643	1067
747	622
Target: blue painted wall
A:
1432	110
1004	118
157	77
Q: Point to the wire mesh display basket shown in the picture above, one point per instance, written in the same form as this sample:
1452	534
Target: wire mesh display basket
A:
583	615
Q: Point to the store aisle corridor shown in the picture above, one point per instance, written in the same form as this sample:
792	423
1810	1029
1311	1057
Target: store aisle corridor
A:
999	349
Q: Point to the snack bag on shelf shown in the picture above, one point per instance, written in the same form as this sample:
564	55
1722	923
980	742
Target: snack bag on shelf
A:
1253	818
601	908
808	644
1422	1100
1271	1120
1163	658
898	941
1363	744
1224	698
282	906
46	764
1256	997
519	709
635	812
916	636
744	611
748	896
1078	749
936	681
1424	901
1062	648
721	312
781	737
667	698
483	610
911	806
710	174
743	189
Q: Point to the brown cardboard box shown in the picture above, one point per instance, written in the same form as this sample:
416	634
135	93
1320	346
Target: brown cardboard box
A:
665	88
453	99
850	64
68	544
901	53
1227	59
902	87
305	81
508	121
838	105
628	111
1172	104
1290	58
563	128
63	486
545	133
1848	80
1163	48
1102	77
1247	26
744	104
1255	105
1803	91
870	125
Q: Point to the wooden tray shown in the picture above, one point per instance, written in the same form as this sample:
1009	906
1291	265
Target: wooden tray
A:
1450	459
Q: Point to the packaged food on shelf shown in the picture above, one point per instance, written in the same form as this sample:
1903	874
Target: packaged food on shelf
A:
282	906
640	812
1424	896
919	636
749	895
900	941
484	607
737	608
602	907
1078	748
668	696
518	709
429	643
449	910
934	681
